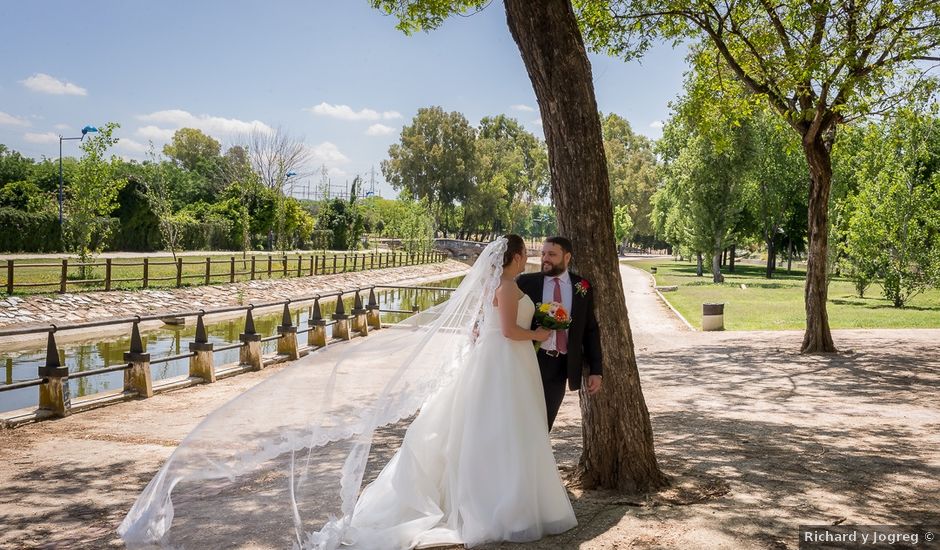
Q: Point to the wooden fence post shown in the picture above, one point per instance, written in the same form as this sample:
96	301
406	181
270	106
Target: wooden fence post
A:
270	263
284	266
208	269
65	275
146	273
252	267
9	276
300	265
334	264
345	259
107	274
231	271
311	264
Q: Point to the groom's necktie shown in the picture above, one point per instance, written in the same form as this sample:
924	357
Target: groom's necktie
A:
561	336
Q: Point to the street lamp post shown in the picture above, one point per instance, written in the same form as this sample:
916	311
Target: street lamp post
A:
85	130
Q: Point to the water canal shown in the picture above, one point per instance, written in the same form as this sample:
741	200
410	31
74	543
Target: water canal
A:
165	341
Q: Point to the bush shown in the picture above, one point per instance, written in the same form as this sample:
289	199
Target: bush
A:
25	232
321	239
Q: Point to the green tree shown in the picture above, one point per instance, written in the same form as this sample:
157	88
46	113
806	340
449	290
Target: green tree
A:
512	159
92	196
631	163
818	64
706	156
623	224
13	166
157	188
895	218
434	160
342	218
411	222
192	149
776	192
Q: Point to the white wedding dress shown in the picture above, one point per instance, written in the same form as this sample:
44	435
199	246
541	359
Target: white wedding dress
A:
282	464
476	464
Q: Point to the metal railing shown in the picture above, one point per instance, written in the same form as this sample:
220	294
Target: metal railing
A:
55	276
52	376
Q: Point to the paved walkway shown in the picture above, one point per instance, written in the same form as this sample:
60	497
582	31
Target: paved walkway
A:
756	437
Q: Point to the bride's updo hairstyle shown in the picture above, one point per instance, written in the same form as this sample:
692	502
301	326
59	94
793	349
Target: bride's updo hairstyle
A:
515	245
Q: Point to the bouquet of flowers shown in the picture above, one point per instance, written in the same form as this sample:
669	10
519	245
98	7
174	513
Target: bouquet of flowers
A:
553	316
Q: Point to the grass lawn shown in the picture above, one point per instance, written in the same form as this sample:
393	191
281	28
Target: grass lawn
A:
777	304
43	275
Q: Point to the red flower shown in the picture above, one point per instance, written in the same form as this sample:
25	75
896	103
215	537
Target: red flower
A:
582	287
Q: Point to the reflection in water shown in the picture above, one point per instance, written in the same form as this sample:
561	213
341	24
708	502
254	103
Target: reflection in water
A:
174	340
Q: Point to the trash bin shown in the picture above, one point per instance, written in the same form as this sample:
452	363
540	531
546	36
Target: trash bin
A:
713	316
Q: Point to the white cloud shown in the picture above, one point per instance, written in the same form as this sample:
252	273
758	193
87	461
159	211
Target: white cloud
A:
379	130
62	127
127	144
43	83
212	125
524	108
11	120
155	134
345	112
338	173
327	153
47	137
658	124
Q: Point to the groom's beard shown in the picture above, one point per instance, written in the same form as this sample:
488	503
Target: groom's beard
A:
551	269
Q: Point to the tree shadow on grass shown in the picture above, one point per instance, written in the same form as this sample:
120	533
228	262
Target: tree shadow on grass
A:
867	304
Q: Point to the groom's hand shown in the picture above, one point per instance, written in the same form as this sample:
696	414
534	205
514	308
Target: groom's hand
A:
594	384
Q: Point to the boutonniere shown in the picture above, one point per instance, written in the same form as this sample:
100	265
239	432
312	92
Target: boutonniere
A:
582	287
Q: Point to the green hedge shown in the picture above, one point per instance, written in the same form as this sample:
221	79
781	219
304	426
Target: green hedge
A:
23	232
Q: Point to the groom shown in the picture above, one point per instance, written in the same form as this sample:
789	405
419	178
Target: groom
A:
561	361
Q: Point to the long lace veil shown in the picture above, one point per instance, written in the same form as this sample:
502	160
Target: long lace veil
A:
281	465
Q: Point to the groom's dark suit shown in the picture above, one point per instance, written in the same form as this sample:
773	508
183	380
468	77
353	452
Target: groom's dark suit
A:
584	343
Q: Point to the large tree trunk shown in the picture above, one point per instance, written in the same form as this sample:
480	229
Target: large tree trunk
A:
731	253
618	438
699	268
817	338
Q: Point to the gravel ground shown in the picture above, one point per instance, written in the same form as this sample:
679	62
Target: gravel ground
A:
756	438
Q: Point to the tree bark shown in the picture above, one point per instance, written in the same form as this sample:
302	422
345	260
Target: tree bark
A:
617	435
817	338
699	267
731	252
717	260
770	257
790	256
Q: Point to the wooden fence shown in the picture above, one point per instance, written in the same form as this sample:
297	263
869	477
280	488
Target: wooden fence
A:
163	273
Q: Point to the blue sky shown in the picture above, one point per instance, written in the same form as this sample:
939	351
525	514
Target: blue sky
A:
336	73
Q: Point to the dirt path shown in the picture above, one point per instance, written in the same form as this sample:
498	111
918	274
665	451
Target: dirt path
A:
757	439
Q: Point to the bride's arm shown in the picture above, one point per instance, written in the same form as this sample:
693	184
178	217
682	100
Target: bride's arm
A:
507	302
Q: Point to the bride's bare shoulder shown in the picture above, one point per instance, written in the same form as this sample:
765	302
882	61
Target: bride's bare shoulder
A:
507	290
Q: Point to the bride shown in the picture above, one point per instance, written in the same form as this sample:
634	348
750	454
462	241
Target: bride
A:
282	464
